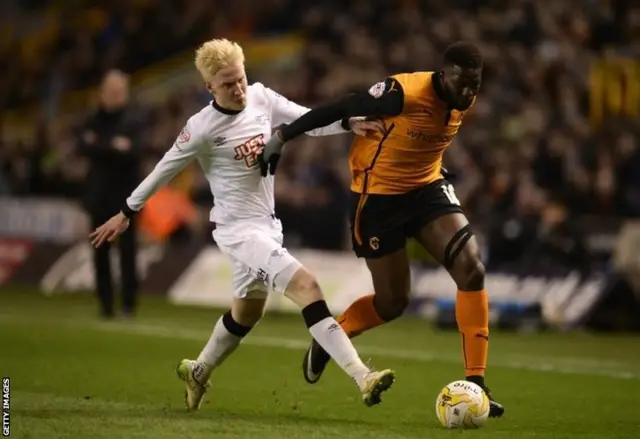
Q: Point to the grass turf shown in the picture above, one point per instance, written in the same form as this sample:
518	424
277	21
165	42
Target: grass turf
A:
73	376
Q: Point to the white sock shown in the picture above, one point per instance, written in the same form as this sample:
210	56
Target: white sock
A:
334	340
220	345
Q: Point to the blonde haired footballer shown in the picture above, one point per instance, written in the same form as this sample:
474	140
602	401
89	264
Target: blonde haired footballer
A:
225	138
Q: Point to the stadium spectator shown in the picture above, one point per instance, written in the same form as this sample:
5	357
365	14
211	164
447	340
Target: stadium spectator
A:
541	123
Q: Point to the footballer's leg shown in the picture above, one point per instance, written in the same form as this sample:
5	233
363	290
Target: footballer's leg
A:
303	289
392	283
446	235
246	310
261	252
378	236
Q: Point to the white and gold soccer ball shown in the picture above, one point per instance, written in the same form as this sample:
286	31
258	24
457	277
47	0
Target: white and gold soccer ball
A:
462	404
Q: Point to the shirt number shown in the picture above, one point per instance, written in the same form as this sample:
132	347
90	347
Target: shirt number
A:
450	194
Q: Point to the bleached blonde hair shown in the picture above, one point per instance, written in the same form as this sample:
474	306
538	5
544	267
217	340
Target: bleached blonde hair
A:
217	54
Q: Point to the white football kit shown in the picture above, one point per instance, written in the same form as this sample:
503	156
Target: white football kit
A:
226	144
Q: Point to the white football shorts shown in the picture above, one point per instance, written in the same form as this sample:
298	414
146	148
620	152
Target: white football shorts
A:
260	262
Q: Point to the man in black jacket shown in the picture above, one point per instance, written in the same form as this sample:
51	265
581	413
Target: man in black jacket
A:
110	140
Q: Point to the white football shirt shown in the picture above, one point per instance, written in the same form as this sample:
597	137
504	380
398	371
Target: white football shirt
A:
226	145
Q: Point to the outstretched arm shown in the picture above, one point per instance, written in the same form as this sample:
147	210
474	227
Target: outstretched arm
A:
382	99
284	111
184	149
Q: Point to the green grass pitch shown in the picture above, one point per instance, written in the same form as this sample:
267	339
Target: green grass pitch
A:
73	376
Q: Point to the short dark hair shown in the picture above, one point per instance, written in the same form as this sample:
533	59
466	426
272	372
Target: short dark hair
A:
463	54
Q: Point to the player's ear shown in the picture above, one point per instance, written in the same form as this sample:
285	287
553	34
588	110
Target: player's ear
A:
208	86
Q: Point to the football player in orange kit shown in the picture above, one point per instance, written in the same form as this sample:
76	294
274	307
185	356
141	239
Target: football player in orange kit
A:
399	192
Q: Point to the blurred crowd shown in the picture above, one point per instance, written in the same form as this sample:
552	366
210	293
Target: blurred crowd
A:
533	156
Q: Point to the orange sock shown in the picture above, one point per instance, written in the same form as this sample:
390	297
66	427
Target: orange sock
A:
472	315
359	317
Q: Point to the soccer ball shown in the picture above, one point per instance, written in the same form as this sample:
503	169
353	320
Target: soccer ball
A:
462	404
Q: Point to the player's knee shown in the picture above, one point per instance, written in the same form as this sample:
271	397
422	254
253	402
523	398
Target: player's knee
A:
303	288
469	273
462	259
391	305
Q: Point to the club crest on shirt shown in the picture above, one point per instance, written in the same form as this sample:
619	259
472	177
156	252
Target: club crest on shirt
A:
184	136
249	150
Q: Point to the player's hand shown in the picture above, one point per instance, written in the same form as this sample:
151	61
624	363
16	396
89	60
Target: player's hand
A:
110	230
270	155
363	127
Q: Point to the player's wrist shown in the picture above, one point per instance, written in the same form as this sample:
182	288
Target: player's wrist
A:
345	123
280	135
127	212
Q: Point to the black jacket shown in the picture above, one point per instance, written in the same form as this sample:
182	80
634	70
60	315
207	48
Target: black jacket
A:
112	174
